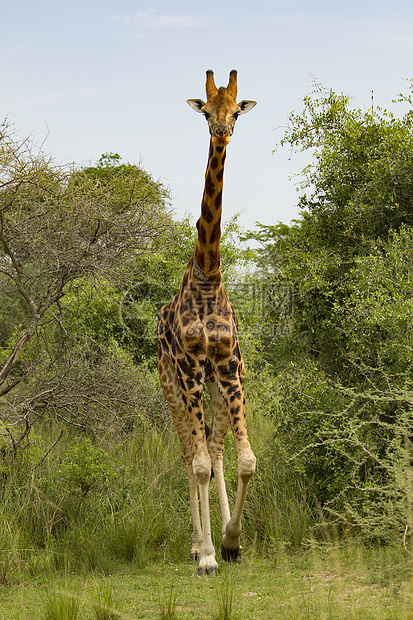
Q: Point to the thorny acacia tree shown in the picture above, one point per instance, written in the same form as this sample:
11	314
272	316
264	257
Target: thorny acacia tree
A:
58	228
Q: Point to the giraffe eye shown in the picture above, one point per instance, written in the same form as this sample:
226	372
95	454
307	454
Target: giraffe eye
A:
235	115
207	115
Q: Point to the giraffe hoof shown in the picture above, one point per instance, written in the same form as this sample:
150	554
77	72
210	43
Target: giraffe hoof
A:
207	570
195	556
231	555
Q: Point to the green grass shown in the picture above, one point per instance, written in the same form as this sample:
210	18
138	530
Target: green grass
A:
225	599
337	584
92	506
103	533
61	604
168	609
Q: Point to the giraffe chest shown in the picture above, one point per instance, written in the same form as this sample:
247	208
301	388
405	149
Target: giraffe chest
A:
206	333
205	330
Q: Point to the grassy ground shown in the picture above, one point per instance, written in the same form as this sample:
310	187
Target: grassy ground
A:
356	583
100	533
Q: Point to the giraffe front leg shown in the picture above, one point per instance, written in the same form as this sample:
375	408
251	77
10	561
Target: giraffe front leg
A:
197	536
177	405
201	461
202	471
220	425
231	549
233	396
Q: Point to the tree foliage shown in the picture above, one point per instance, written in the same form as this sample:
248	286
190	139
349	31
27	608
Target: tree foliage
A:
359	184
69	234
345	365
59	226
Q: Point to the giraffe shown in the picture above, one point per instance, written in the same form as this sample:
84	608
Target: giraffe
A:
198	344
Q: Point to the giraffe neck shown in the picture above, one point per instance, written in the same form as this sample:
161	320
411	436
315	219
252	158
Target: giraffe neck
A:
209	224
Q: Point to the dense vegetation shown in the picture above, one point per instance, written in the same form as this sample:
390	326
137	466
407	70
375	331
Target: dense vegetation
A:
90	473
345	386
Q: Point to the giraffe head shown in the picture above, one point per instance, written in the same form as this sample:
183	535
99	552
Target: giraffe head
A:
221	108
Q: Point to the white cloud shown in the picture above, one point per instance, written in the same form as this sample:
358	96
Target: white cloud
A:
153	18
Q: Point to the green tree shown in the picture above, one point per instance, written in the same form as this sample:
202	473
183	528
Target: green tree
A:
357	189
359	185
344	414
63	231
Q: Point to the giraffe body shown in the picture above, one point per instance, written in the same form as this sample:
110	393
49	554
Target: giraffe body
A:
198	345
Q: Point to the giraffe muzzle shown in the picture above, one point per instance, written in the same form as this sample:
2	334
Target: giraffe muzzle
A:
221	131
221	135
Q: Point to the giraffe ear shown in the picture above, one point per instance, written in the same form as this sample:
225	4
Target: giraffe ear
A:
196	104
246	105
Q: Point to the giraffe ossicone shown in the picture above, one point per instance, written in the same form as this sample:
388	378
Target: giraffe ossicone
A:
198	345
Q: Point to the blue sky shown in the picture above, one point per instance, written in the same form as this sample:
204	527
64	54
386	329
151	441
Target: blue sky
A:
94	76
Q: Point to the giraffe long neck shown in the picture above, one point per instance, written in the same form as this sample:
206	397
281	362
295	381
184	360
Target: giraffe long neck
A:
209	224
